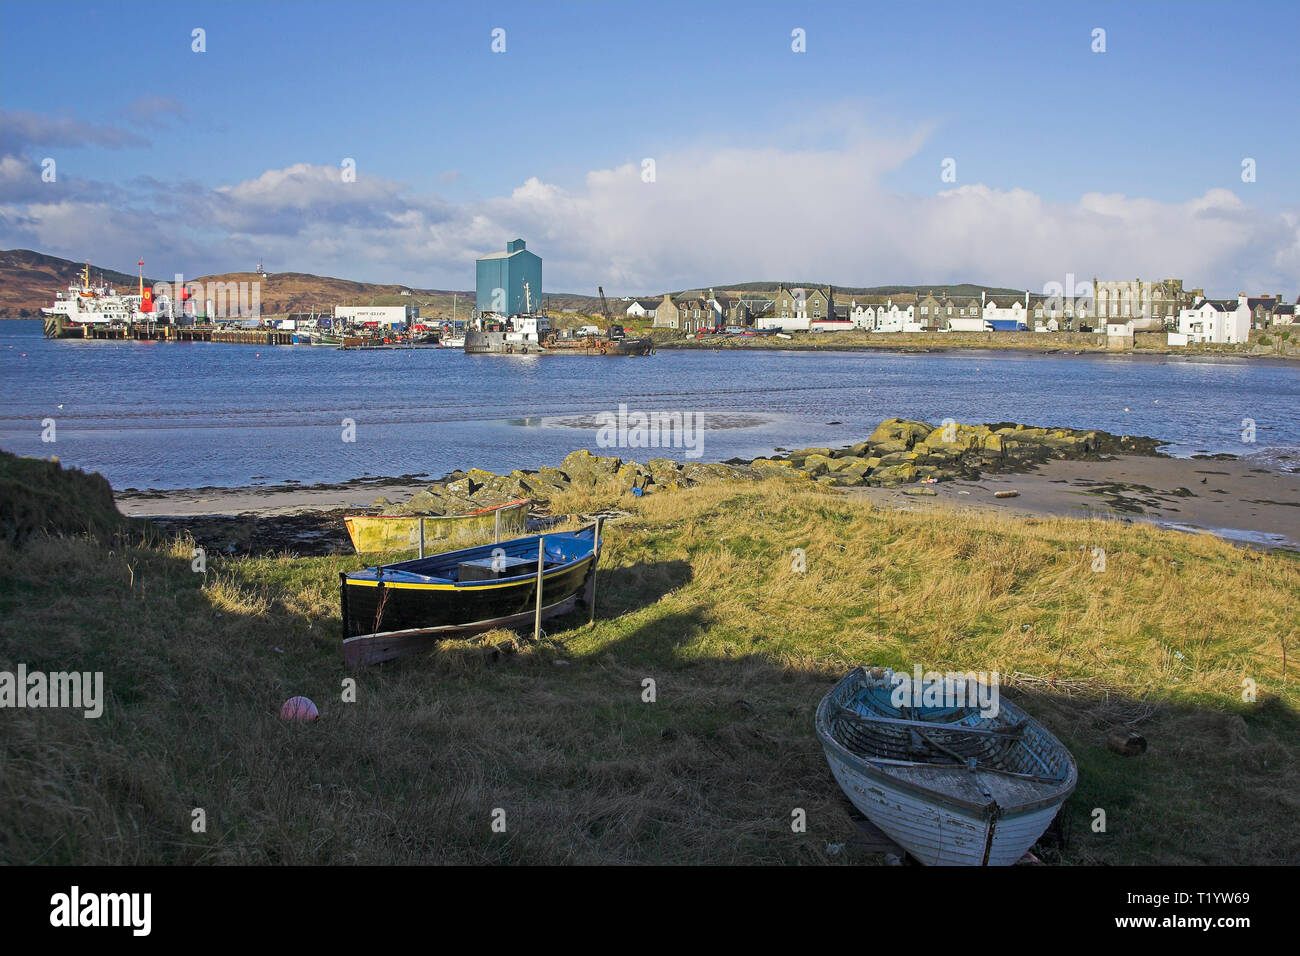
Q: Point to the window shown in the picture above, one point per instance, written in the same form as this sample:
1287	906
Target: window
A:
925	310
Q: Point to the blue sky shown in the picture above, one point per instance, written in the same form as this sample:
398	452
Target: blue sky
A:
188	158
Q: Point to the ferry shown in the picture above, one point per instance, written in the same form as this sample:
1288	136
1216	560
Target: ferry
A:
85	304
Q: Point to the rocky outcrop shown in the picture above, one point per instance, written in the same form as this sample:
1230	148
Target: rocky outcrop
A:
902	452
898	453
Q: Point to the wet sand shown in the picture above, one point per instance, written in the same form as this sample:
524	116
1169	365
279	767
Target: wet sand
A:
269	500
1235	499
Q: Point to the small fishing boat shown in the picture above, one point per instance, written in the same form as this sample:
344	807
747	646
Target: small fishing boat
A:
395	610
948	784
370	533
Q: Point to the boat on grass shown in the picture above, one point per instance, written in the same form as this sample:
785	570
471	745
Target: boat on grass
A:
402	609
947	783
371	533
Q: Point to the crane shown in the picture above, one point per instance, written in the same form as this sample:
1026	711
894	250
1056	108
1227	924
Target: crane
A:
611	330
604	306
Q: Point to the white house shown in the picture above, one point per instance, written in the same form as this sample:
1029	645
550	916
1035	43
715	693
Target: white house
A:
642	308
1216	320
862	316
1008	309
891	317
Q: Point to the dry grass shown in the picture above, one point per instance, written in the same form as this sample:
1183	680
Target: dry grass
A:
697	593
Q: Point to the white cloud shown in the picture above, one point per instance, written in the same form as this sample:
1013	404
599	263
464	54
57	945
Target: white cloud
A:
711	216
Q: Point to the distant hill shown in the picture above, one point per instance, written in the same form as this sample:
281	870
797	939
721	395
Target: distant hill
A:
952	289
28	281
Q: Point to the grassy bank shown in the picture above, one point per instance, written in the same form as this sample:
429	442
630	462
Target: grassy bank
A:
697	593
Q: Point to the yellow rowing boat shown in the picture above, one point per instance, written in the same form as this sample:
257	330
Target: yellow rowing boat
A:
400	532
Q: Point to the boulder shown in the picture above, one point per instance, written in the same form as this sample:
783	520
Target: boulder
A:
891	476
584	468
816	465
900	429
665	472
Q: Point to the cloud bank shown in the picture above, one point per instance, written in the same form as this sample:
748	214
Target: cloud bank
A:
708	215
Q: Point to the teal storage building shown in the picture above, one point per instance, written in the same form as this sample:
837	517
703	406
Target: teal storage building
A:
510	282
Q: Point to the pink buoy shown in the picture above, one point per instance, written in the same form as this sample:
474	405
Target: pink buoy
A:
299	708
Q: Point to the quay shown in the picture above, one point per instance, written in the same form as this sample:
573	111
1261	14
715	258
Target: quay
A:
149	332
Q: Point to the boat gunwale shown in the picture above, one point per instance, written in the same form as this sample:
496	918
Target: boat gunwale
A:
877	772
590	552
446	584
509	505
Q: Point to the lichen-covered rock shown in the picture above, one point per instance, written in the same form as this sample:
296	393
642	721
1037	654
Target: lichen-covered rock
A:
891	476
772	466
584	468
900	429
816	465
463	487
665	472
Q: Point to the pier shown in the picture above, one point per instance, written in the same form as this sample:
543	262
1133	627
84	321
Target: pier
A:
149	332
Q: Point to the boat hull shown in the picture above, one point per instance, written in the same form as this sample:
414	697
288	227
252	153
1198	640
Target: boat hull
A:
386	616
932	832
374	533
499	343
986	810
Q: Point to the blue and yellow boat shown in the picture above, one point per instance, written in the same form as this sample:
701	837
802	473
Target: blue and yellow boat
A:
395	610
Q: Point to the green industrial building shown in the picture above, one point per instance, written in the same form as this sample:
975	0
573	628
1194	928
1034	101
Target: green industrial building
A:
509	283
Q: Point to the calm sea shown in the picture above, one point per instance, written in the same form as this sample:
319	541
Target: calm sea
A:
152	415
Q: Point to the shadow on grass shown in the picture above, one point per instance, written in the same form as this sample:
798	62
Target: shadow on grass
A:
584	769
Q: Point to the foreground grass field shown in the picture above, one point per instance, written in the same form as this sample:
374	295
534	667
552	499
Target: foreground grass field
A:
697	592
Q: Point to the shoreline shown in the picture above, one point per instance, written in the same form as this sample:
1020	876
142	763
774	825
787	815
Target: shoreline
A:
1234	499
809	342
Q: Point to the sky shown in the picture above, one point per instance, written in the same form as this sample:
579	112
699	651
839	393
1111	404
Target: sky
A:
649	147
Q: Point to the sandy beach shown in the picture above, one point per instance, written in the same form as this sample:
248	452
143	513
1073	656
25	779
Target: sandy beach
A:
1233	498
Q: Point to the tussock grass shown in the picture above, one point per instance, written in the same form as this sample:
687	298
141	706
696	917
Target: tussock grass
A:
696	593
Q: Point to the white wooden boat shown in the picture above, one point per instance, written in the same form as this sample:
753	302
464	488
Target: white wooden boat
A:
950	786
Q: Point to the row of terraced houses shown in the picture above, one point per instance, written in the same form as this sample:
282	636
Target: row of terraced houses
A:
1118	307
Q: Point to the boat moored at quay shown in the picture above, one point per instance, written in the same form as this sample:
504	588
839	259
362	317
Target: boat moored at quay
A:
533	335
